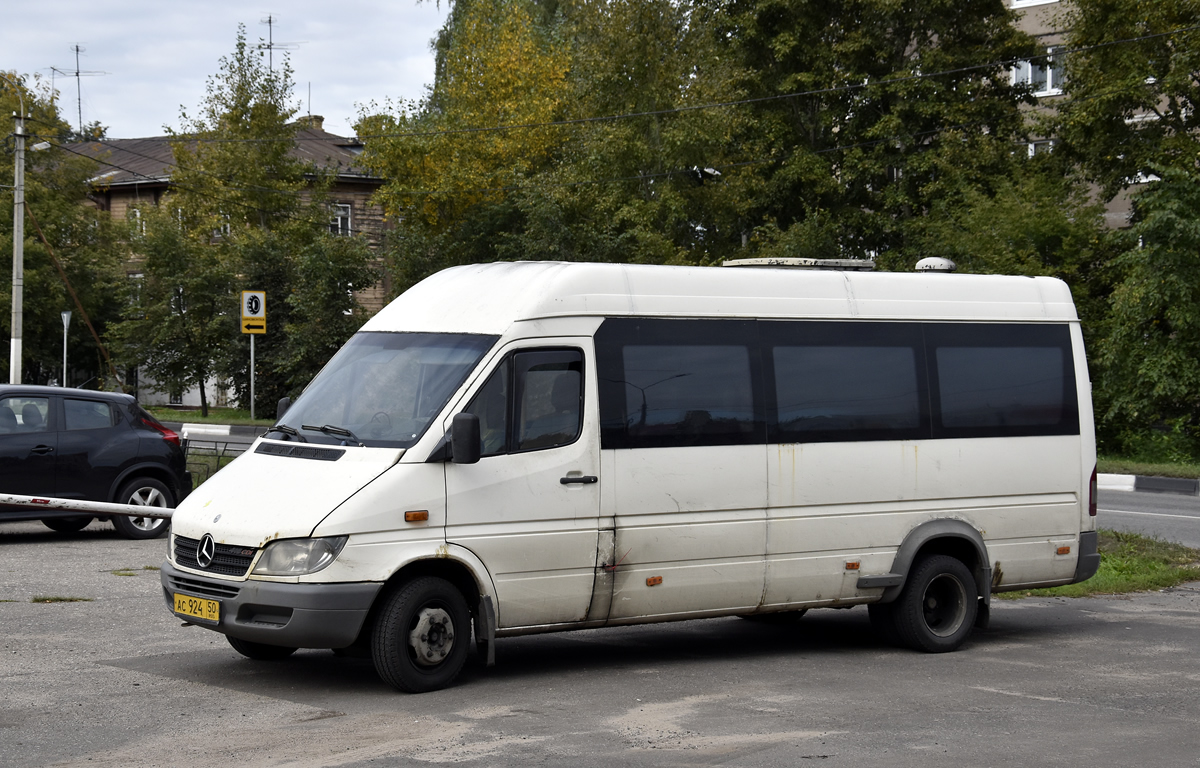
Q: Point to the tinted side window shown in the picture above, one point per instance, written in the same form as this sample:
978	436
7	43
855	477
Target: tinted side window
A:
490	404
24	414
88	414
847	381
678	383
1003	381
533	400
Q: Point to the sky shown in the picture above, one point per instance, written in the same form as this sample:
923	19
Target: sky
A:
157	55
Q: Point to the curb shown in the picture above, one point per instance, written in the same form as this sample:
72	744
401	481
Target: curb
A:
1149	484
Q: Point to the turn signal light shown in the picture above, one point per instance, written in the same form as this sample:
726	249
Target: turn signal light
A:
654	581
853	565
416	516
1064	550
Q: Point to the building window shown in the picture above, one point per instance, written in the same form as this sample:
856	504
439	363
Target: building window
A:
339	224
1043	75
176	397
1041	146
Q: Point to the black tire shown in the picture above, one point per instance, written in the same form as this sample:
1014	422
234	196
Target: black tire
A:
146	492
936	610
259	651
777	619
421	636
66	524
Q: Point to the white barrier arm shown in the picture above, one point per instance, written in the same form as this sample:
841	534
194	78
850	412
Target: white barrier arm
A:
86	507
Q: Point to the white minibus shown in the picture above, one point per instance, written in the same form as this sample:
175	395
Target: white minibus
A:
525	447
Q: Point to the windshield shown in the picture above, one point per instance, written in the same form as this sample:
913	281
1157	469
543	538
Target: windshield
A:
385	388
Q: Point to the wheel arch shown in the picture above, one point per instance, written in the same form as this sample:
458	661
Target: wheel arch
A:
154	471
455	564
947	536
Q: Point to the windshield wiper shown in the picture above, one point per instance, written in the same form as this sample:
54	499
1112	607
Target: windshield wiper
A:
285	429
330	429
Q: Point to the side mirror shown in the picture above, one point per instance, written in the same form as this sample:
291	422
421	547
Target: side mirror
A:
465	444
284	404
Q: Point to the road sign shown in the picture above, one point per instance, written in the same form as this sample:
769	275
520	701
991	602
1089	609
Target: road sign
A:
254	312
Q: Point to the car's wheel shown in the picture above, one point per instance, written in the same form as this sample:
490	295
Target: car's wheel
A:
422	635
779	618
66	524
259	651
936	610
143	492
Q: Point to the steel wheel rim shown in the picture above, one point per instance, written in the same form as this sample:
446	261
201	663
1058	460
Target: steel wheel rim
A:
944	605
432	637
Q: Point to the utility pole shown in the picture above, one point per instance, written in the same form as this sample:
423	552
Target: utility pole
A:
18	267
18	281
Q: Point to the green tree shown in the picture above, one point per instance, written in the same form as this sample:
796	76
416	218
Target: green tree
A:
1150	359
1131	77
870	112
250	215
79	236
450	167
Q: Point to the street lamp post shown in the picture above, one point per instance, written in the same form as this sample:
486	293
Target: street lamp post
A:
66	317
18	269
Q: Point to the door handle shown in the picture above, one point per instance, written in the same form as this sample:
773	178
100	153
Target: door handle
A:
42	449
580	479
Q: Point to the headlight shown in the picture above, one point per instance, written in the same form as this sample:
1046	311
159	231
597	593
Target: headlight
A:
294	557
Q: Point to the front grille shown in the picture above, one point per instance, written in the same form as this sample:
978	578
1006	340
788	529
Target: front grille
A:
228	560
214	590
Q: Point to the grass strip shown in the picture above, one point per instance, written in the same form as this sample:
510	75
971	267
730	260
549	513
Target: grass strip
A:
1119	466
58	599
1129	562
215	416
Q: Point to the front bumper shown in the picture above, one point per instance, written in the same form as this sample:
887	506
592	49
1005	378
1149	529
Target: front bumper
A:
292	615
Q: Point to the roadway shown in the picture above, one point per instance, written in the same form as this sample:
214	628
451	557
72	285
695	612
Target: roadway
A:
1165	516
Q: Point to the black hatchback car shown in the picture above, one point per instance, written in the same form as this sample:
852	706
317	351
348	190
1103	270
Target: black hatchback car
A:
80	444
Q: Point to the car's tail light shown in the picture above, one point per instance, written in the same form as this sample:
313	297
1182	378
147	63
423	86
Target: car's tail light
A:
167	434
1093	494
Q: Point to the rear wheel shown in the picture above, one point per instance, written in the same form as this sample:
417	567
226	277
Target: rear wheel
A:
259	651
66	524
936	610
143	492
422	636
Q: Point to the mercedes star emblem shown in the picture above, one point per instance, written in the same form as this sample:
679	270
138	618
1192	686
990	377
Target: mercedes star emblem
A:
205	551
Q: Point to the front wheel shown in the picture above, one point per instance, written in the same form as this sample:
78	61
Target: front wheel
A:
422	636
143	492
937	609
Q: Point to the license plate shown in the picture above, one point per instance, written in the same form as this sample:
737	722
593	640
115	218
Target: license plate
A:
198	608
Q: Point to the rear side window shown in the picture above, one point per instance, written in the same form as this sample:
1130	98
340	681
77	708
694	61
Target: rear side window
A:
88	414
24	414
1003	380
678	383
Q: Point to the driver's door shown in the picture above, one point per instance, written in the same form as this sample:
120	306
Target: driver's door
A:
529	507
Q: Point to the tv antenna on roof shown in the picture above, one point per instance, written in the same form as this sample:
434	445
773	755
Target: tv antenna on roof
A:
271	45
78	73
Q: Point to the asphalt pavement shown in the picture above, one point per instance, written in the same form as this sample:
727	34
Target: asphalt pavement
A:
1167	516
114	680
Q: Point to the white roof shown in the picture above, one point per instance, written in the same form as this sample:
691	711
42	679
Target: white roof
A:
488	298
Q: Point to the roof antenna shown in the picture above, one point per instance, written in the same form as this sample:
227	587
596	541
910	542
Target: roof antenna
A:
78	49
271	45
